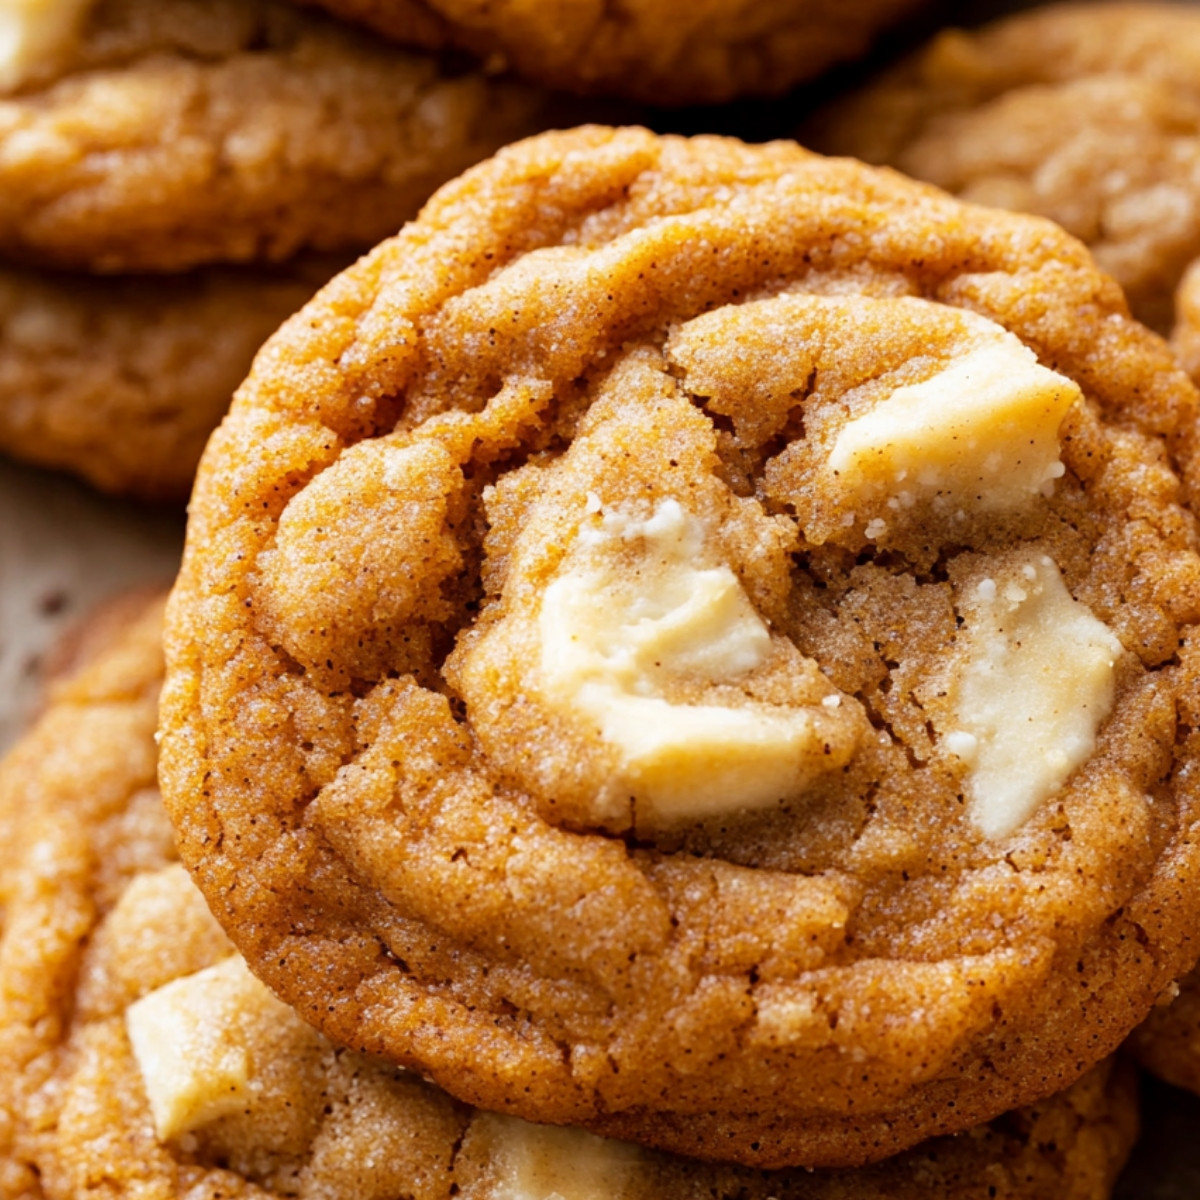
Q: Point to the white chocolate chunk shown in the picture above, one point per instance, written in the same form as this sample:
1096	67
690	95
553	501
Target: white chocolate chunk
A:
546	1162
980	435
613	634
189	1039
1035	681
34	35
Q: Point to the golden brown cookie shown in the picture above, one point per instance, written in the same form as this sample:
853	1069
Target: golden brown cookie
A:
1185	335
122	380
1085	113
154	135
696	640
1168	1041
655	51
139	1057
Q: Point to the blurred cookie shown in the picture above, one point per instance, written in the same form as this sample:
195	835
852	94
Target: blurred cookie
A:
155	135
655	51
138	1056
697	640
1168	1041
122	380
1185	335
1085	113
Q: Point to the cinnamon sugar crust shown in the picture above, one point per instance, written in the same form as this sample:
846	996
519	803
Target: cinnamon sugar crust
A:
607	356
102	923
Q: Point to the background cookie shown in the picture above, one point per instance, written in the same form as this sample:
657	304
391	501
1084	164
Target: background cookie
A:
1085	113
139	1056
397	801
151	136
656	51
122	380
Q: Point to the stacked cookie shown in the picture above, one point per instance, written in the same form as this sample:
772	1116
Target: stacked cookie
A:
142	139
683	676
140	1057
640	692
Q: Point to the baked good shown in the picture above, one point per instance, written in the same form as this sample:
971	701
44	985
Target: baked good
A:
1085	113
655	51
141	1058
1185	334
122	380
1168	1041
611	675
155	135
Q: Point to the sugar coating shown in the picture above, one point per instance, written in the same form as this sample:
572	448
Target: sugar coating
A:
87	944
35	35
369	780
1085	113
1033	682
651	50
173	134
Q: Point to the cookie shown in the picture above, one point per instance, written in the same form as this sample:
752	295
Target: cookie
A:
1168	1041
142	135
1085	113
654	51
140	1056
122	380
695	641
1185	335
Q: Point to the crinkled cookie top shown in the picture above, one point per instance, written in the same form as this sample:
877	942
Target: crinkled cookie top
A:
655	51
1085	113
139	1055
155	135
695	640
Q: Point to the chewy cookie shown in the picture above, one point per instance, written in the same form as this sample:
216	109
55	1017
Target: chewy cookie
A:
1168	1041
154	135
1085	113
122	380
140	1057
655	51
696	641
1185	336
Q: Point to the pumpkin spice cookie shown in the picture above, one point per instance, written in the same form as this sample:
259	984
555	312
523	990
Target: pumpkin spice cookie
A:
143	135
140	1057
654	51
1185	335
1085	113
696	641
122	380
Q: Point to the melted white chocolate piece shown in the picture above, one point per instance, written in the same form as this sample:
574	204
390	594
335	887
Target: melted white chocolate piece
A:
615	630
980	435
546	1162
1035	681
190	1044
35	35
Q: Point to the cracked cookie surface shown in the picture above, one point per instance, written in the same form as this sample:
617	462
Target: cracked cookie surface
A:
140	1057
1085	113
155	136
615	448
655	51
